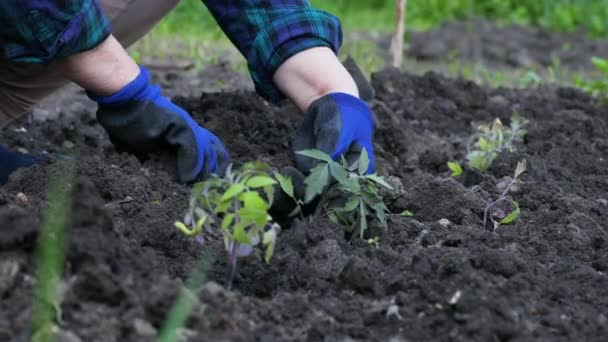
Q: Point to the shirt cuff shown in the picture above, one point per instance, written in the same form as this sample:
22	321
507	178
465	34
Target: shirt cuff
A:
44	37
301	30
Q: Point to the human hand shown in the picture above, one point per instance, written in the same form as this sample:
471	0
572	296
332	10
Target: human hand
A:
141	119
337	124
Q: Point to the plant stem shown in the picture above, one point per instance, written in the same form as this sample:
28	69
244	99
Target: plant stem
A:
500	199
233	263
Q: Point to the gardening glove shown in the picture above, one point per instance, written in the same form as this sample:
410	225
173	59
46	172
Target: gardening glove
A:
11	161
337	124
140	119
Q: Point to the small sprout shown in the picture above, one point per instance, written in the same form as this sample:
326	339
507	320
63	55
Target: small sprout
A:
501	215
455	168
235	206
491	140
407	213
375	241
348	194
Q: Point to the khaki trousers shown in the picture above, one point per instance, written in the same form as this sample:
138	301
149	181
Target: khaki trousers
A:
22	85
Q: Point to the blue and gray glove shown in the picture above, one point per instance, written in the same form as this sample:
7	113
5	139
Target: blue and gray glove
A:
11	161
337	124
140	119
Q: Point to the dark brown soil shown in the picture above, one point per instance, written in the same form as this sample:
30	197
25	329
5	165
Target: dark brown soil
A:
541	278
484	41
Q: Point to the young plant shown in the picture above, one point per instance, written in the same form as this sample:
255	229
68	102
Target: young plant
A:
597	88
493	139
500	214
234	207
348	194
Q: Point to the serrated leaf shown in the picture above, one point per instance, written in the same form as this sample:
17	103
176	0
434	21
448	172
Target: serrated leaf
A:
363	162
316	182
407	213
286	184
379	180
338	172
260	182
455	168
316	154
232	191
512	215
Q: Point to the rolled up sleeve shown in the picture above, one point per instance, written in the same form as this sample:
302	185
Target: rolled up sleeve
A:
39	31
269	32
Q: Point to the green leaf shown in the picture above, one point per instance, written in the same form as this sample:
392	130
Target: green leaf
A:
512	215
316	182
363	162
349	206
232	191
286	184
222	207
269	240
380	210
316	154
338	172
253	200
407	213
455	168
239	234
379	180
260	182
227	221
249	215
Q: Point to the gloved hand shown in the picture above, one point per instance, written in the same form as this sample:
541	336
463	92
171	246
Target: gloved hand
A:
337	124
141	119
11	161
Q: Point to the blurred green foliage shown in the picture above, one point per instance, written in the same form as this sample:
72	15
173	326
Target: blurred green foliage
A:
191	18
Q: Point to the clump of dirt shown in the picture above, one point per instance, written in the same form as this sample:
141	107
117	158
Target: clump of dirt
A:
483	41
437	276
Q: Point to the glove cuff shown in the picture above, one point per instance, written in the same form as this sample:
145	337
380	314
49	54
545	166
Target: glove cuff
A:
352	104
138	89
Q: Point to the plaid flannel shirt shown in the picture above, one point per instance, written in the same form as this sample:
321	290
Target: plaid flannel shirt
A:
266	32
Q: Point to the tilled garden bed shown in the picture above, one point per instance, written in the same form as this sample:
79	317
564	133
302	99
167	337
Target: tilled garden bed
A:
542	277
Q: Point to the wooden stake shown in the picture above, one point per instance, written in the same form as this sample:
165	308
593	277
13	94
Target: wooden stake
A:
397	43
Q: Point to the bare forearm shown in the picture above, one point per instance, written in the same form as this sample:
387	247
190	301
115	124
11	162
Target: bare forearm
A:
103	70
311	74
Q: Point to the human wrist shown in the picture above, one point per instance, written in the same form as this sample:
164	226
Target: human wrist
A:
103	70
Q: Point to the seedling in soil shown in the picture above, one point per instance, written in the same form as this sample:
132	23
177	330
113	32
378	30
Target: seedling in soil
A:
493	139
348	195
286	184
407	213
237	206
597	88
500	214
455	168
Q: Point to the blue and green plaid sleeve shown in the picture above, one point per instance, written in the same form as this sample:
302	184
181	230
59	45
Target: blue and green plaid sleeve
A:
40	31
268	32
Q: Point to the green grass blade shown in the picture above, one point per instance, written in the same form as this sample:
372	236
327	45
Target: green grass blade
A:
50	253
185	301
